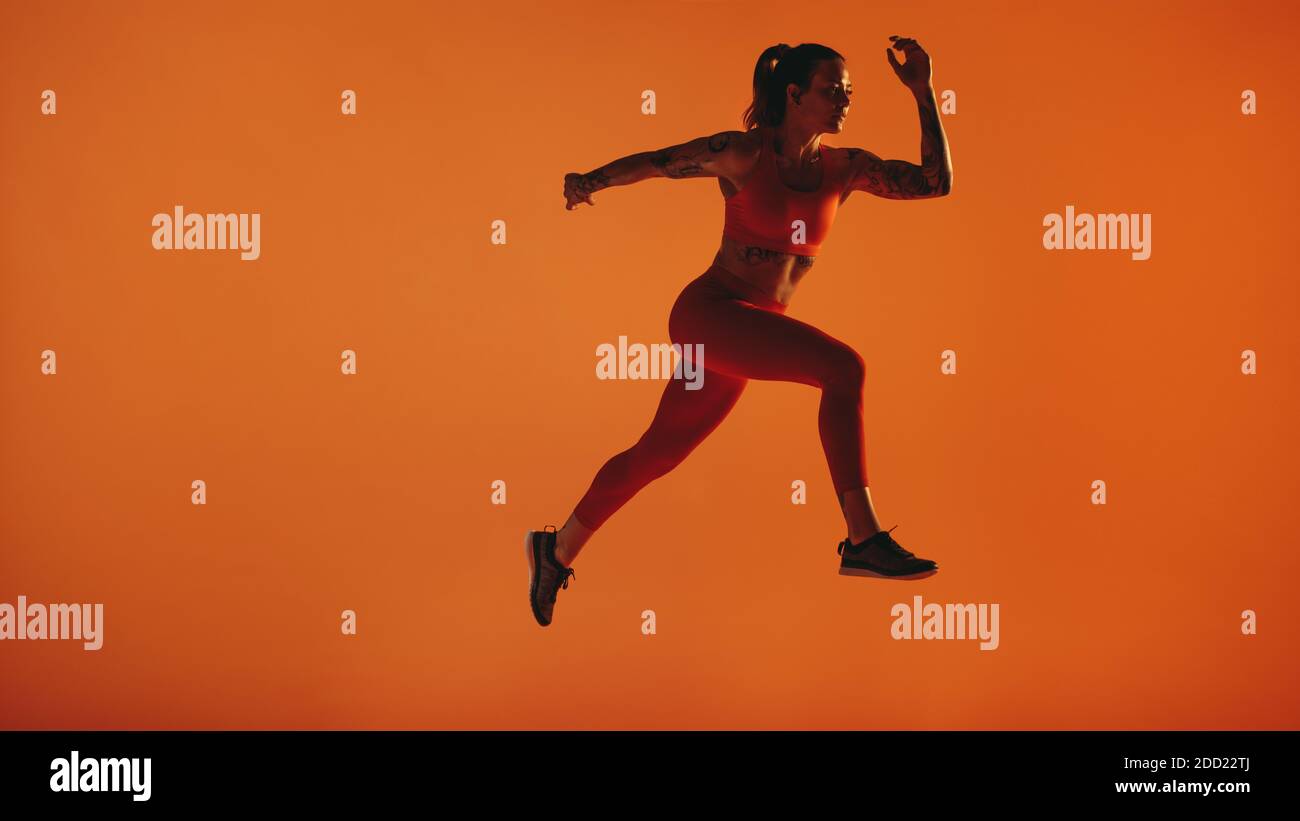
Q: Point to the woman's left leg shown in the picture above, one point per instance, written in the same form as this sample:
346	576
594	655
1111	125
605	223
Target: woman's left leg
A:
683	420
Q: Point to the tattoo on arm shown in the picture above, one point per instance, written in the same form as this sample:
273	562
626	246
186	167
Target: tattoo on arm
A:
893	179
685	160
934	148
902	180
718	142
676	164
592	182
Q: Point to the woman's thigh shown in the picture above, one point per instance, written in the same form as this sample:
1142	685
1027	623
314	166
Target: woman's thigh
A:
743	340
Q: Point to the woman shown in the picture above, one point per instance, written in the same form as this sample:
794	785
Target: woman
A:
782	187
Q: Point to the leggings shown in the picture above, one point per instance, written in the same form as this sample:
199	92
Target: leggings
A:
745	335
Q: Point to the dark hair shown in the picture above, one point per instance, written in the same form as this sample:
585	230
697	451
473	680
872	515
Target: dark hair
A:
778	66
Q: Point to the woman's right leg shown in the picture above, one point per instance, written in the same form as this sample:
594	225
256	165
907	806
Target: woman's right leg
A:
683	420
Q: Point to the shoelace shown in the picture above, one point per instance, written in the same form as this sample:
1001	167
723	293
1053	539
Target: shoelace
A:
888	543
563	582
894	547
564	576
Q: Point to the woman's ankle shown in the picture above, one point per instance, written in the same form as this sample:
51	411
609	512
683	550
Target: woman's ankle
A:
562	554
862	535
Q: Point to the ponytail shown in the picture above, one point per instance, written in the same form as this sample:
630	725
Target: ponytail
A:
777	67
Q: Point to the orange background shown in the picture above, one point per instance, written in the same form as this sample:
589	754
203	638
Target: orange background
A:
477	363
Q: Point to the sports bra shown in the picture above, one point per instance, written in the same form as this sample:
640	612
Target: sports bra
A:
763	211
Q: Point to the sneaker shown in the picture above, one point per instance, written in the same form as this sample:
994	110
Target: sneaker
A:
545	573
881	557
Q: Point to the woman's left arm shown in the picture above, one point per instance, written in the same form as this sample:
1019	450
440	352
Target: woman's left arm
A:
899	179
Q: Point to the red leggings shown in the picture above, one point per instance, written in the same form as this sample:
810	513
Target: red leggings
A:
745	335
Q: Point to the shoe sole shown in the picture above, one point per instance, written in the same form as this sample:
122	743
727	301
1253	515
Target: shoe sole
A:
873	574
531	549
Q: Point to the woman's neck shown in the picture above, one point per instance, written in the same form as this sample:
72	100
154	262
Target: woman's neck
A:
798	148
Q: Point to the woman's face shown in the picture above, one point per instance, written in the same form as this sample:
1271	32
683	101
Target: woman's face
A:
824	106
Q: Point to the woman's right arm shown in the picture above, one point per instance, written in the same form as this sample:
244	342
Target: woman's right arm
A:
712	156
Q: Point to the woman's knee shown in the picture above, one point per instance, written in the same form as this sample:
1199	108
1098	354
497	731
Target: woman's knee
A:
846	370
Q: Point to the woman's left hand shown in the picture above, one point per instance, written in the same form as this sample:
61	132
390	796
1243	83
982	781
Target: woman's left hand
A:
915	73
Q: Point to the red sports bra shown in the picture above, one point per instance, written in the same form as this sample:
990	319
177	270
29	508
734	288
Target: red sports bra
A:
763	212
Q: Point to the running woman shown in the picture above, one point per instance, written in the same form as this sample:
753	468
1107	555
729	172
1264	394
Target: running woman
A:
781	186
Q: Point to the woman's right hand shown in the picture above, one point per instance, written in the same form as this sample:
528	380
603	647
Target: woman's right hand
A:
578	188
917	71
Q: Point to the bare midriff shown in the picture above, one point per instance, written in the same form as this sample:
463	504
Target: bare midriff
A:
774	273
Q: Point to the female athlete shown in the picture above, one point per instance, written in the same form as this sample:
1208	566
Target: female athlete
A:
781	186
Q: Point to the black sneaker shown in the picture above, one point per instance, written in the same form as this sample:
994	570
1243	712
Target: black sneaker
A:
545	573
881	557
